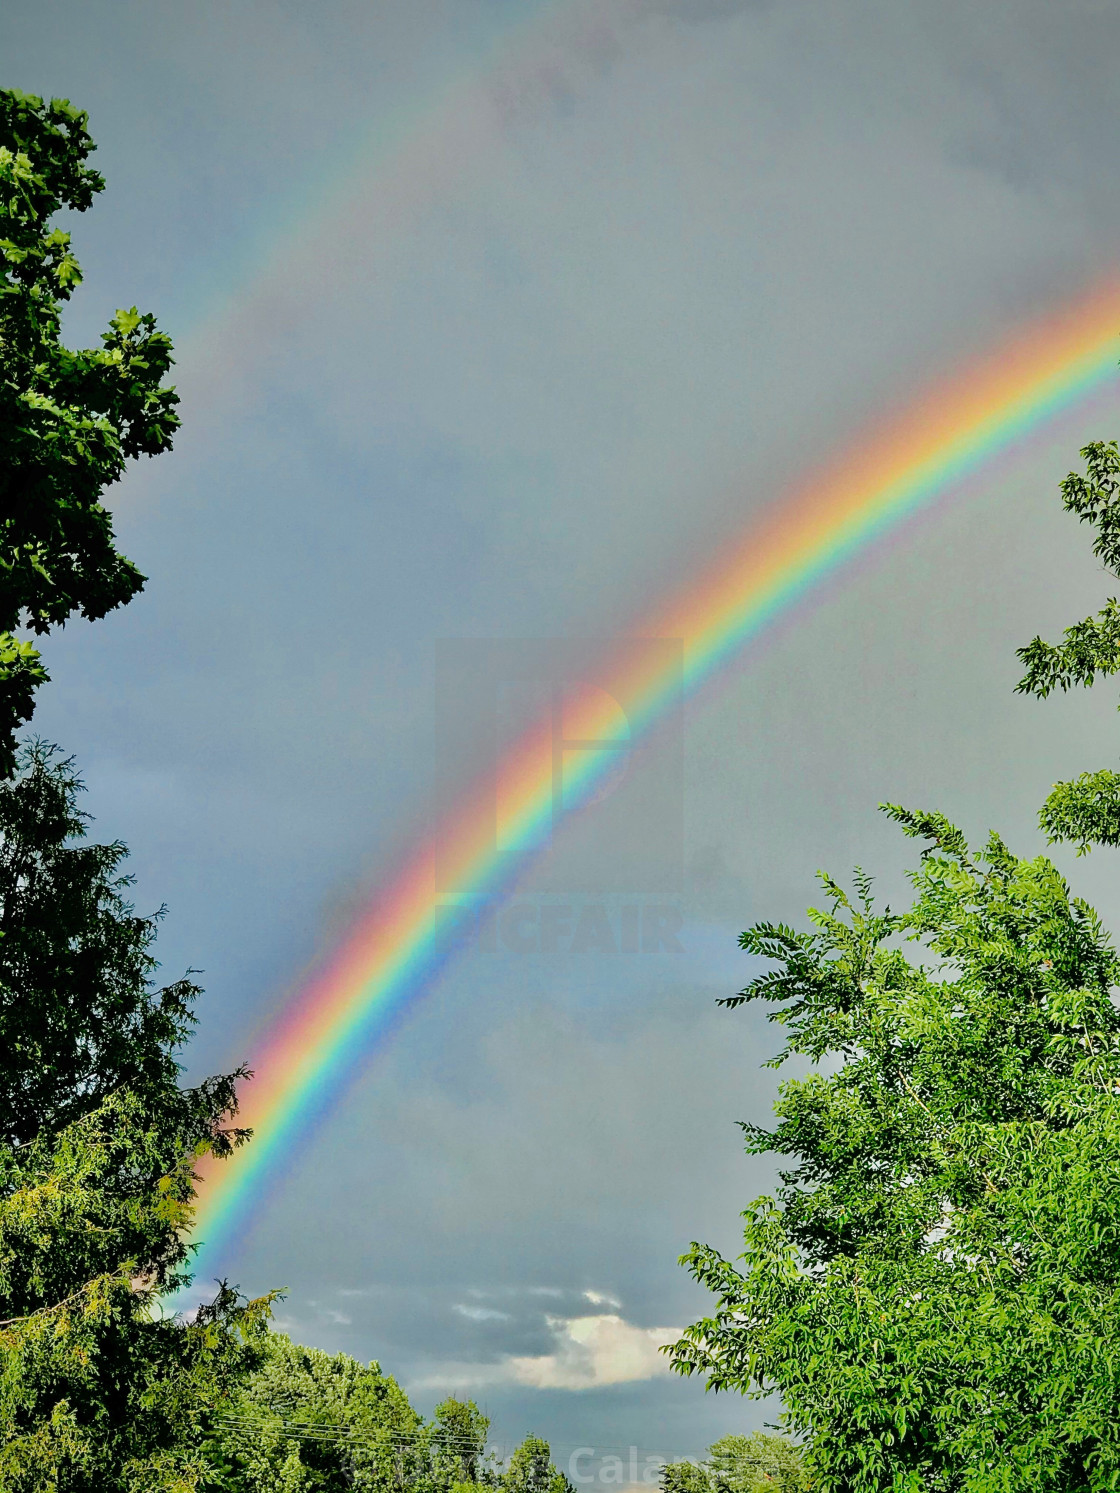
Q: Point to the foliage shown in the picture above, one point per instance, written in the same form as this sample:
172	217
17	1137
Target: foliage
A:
69	420
934	1289
307	1420
1085	811
530	1470
310	1420
97	1151
78	1017
98	1391
458	1445
757	1463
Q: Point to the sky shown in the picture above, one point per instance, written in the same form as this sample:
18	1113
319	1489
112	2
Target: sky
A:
500	320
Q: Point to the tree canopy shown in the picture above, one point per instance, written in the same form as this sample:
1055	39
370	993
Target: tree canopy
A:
79	1017
98	1139
69	420
307	1420
98	1142
1086	810
758	1463
935	1288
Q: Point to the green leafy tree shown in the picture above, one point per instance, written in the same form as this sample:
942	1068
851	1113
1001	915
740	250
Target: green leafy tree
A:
311	1420
685	1477
758	1463
1085	811
933	1291
460	1462
458	1445
98	1141
531	1470
69	420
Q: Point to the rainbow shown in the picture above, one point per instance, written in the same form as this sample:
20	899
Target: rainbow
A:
396	949
404	163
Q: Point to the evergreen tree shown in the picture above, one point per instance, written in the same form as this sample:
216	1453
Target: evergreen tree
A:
98	1391
79	1018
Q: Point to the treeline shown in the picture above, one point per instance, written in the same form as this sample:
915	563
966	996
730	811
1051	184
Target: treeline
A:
305	1419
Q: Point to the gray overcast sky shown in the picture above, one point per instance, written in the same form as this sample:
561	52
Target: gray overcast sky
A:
487	333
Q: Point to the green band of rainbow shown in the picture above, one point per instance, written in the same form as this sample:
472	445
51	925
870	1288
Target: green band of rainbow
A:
394	951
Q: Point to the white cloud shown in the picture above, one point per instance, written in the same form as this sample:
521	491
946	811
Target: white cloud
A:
593	1351
480	1313
600	1298
588	1353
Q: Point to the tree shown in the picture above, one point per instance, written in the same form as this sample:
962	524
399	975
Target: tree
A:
935	1288
1085	811
97	1139
98	1143
79	1019
307	1420
312	1420
458	1445
757	1463
530	1470
69	420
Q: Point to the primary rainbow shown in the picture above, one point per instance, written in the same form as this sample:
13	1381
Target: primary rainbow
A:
395	949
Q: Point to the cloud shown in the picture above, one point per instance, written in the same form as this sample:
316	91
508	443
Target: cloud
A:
594	1351
480	1313
588	1353
600	1298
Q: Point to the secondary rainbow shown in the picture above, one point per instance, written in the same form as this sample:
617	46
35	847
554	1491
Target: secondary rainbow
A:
395	950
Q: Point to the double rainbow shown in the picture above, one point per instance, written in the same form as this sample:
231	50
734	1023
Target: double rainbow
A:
394	951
